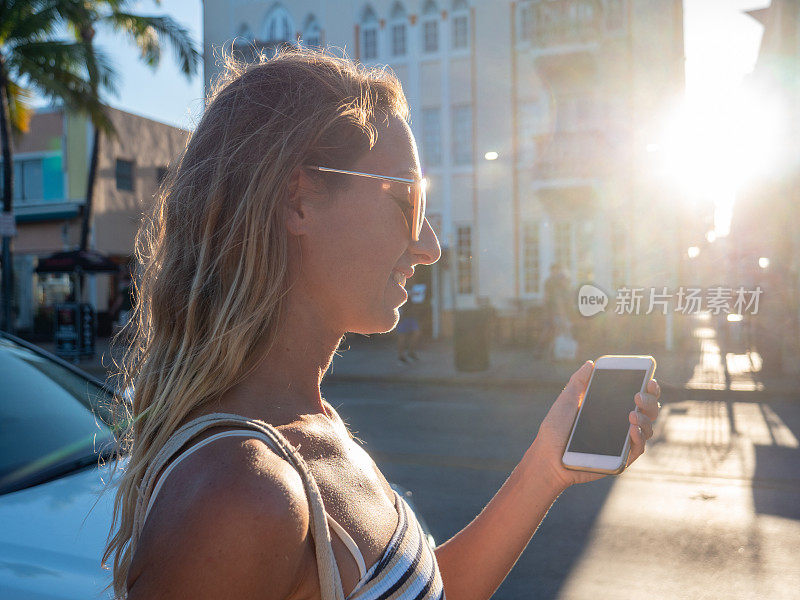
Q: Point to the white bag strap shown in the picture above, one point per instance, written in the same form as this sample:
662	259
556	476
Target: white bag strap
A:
329	579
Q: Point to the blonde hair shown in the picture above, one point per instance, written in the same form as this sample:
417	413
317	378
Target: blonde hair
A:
211	257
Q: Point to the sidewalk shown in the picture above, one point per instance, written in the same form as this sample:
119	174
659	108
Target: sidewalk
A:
373	359
700	373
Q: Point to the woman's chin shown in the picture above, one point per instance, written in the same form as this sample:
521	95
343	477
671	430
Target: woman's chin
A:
383	323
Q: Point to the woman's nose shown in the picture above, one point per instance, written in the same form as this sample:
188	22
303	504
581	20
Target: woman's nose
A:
427	250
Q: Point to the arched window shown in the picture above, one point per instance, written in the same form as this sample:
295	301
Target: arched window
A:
369	34
245	32
312	33
278	25
430	27
398	30
460	33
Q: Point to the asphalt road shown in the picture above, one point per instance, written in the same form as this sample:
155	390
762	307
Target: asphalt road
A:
712	510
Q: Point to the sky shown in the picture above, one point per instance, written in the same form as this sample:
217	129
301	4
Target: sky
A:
721	46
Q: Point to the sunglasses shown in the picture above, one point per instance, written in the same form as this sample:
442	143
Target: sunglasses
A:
411	198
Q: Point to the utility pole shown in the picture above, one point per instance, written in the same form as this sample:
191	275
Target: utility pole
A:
7	225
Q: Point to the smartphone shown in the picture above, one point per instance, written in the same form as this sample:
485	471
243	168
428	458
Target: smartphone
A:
599	440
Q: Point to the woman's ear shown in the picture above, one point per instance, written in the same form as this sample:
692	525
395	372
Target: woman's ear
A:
306	202
295	210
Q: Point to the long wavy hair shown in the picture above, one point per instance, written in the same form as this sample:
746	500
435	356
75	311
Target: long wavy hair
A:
211	257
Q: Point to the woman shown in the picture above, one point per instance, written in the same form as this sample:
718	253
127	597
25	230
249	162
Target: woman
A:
243	482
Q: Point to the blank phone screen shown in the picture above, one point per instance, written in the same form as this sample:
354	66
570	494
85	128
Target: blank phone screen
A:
603	423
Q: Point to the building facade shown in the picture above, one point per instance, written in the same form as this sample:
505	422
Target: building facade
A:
51	165
531	119
765	238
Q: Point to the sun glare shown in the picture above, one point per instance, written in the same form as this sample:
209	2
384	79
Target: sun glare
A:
710	149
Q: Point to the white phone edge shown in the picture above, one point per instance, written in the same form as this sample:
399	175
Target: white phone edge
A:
600	463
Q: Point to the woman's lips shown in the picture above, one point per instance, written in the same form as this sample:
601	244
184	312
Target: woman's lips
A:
399	278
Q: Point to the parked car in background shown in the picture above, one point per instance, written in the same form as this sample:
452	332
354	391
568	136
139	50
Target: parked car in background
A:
52	435
55	426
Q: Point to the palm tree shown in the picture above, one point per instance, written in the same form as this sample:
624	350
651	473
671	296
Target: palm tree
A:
32	60
146	33
74	72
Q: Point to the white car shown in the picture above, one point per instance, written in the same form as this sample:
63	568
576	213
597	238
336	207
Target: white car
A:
53	427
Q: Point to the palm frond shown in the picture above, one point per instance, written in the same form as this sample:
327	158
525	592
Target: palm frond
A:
54	68
74	56
146	33
19	106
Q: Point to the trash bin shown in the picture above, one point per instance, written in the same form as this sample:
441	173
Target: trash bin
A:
471	339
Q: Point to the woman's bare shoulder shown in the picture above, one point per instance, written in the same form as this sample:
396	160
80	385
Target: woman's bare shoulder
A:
248	511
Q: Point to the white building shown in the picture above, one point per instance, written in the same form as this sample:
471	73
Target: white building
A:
530	118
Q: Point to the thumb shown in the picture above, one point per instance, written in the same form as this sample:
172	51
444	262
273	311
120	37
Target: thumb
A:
580	378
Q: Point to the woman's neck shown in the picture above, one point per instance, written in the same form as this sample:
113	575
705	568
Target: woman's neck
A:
287	379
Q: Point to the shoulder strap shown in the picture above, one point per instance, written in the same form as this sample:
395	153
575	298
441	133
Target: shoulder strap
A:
329	578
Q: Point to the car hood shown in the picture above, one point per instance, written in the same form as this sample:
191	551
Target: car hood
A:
53	536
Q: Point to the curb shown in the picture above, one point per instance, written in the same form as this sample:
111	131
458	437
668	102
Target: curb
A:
677	393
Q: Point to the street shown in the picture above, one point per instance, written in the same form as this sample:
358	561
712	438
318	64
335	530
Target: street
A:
711	510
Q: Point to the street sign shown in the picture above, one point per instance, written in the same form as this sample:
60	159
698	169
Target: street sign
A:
75	329
67	329
88	325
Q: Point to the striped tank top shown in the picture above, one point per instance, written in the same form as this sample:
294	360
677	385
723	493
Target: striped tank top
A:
407	569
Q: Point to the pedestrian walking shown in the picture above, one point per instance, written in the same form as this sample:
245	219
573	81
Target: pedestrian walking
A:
408	329
557	334
295	214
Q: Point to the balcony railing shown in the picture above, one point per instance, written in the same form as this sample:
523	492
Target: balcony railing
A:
566	156
565	23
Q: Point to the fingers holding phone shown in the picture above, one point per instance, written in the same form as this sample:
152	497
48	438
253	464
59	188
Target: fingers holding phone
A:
642	418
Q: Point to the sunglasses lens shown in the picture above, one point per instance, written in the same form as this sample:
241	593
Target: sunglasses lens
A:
419	209
414	208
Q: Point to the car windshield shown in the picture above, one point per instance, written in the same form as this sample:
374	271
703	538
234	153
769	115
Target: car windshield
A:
52	420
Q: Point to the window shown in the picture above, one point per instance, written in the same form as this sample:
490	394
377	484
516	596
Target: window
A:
563	245
370	43
399	39
432	136
31	181
531	266
398	30
460	32
462	134
460	25
278	26
124	174
615	15
37	179
530	21
312	33
430	40
56	430
245	32
430	27
464	259
530	125
369	34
